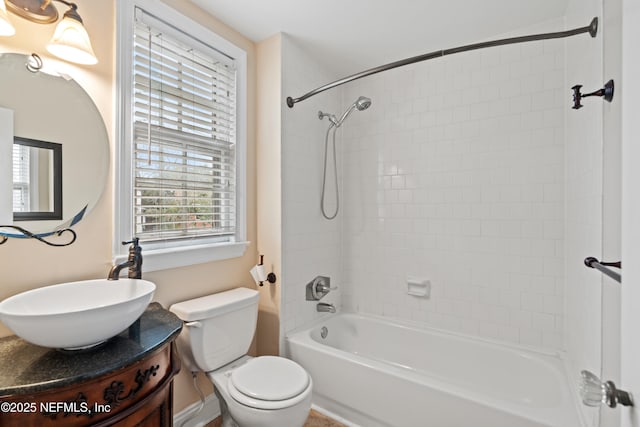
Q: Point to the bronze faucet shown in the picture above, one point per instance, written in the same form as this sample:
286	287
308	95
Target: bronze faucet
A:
133	263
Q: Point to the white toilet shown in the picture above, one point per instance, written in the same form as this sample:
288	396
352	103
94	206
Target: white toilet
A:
264	391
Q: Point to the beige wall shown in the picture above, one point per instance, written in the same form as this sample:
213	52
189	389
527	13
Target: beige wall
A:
28	264
269	87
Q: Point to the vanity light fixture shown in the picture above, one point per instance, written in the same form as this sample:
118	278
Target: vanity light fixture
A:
70	40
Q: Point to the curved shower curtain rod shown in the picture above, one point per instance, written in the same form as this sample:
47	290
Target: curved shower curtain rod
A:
592	29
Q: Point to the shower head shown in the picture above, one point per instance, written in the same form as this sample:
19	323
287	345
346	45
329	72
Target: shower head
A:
361	104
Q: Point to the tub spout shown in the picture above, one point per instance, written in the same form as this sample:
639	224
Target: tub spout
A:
324	307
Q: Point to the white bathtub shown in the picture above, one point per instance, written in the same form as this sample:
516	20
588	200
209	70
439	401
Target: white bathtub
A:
374	372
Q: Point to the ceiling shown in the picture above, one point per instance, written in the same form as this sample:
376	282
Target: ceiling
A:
352	35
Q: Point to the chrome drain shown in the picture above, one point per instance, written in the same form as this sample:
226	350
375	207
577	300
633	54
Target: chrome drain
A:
324	332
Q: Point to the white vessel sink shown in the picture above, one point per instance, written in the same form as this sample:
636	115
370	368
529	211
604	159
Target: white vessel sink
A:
76	315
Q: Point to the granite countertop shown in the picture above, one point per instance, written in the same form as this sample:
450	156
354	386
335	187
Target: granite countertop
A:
27	368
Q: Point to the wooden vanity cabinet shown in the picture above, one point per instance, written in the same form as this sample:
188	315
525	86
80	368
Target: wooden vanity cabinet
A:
137	395
126	382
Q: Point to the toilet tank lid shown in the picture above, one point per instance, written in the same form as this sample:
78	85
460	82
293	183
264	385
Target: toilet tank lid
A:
215	304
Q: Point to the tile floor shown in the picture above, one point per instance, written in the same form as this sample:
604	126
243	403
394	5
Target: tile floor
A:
315	419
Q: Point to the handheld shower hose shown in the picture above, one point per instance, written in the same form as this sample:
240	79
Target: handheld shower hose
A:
361	104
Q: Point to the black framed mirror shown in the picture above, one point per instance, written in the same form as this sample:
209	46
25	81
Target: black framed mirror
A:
37	180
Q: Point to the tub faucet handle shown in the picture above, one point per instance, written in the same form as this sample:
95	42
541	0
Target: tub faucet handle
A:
324	287
318	288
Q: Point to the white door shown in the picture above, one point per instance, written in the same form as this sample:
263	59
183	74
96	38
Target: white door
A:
630	314
611	201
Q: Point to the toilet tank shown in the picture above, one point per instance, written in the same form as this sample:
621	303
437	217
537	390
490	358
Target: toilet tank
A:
218	328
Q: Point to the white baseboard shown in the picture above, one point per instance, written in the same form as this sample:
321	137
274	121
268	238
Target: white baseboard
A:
209	412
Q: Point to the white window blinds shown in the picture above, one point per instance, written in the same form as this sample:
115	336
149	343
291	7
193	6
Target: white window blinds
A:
184	135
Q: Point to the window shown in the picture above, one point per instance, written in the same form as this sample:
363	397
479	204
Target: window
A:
182	118
21	178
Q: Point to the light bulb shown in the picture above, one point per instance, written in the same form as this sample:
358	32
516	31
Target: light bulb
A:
71	42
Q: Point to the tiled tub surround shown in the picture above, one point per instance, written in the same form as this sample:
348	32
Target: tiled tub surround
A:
456	174
445	380
310	244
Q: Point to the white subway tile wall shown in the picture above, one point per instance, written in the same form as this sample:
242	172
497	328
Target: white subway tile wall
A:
310	244
457	174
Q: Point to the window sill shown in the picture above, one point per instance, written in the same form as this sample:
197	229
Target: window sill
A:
164	259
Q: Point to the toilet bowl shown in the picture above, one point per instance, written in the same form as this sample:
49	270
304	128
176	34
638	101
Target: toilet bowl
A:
265	391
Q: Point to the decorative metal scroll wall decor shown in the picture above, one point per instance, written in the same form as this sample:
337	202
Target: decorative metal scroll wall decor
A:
592	29
41	237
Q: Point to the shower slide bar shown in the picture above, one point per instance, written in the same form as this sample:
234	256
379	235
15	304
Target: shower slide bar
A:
592	29
602	266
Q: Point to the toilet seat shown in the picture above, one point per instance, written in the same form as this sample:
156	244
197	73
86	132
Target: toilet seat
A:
269	382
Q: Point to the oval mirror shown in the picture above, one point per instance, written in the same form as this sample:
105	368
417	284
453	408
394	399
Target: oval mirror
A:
59	148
